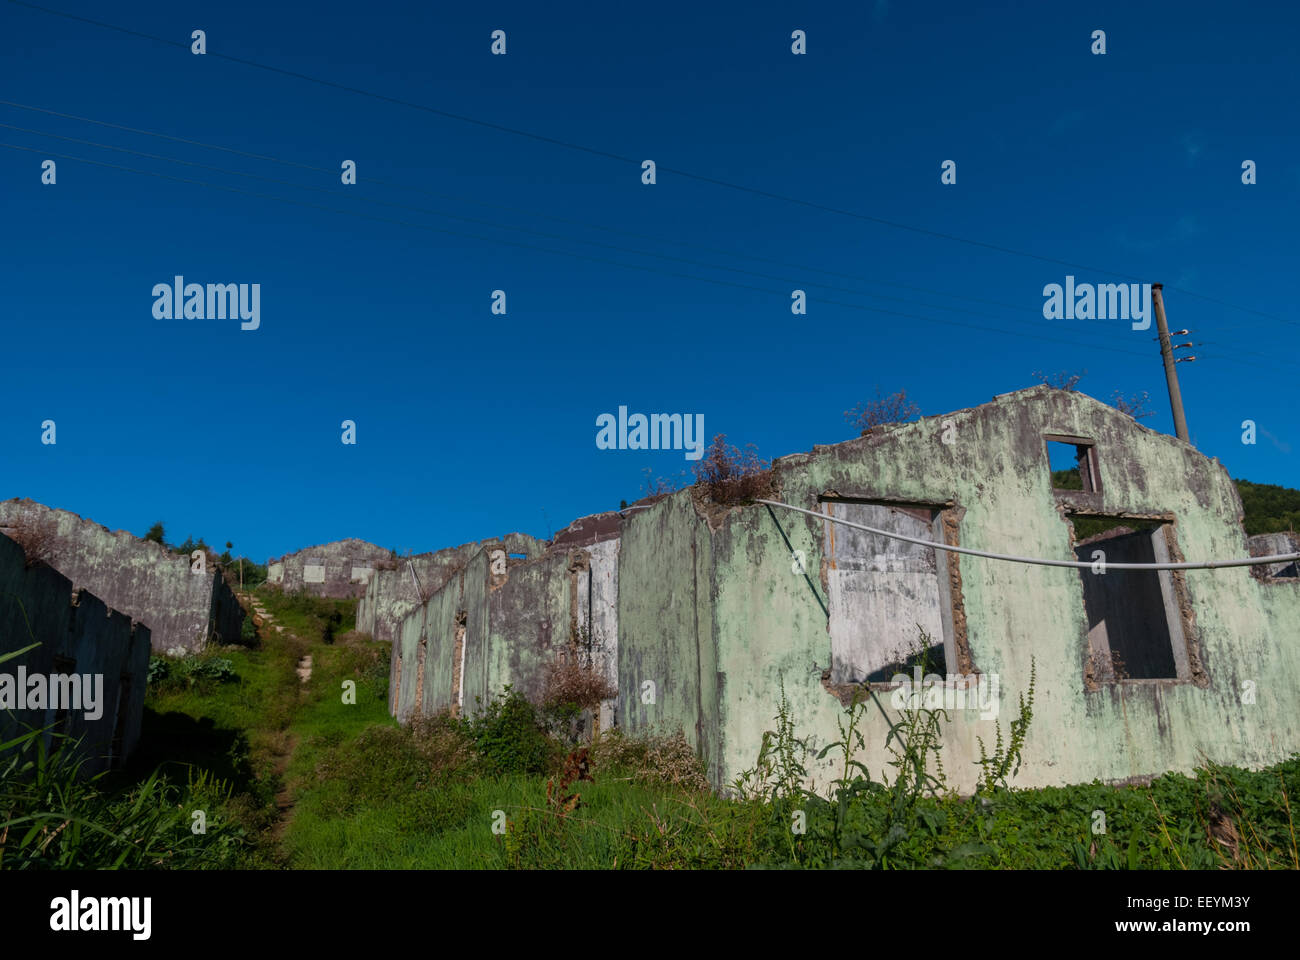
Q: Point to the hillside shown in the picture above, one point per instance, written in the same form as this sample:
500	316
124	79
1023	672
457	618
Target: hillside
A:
1268	508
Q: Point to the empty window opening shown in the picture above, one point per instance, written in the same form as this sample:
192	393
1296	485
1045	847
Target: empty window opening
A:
1073	463
458	666
1134	625
890	606
421	653
313	570
396	696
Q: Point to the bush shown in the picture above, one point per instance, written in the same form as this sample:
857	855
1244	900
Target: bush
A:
651	760
443	742
895	408
247	631
192	673
159	669
508	735
729	477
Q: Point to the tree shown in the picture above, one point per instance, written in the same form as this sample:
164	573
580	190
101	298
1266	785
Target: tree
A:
895	408
156	533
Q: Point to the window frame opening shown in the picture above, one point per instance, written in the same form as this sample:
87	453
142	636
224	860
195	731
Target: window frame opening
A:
938	518
1110	649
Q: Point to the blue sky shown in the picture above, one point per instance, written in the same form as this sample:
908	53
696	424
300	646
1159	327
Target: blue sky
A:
470	424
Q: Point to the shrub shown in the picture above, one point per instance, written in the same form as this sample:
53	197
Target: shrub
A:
159	669
895	408
728	476
651	760
443	741
569	684
194	673
508	734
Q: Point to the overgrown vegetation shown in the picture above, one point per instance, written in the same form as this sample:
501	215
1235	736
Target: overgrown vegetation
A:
728	476
313	618
1268	507
202	672
883	410
292	774
54	816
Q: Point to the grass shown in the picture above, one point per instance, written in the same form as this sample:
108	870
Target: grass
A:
294	775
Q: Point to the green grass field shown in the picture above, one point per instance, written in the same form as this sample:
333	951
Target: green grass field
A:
316	775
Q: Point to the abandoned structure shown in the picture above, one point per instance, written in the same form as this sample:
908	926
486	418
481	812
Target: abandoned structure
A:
92	662
707	613
339	569
506	616
184	601
401	585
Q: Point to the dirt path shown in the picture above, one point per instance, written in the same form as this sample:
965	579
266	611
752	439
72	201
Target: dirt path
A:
284	796
283	754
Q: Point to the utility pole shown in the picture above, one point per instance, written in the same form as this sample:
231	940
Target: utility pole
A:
1167	351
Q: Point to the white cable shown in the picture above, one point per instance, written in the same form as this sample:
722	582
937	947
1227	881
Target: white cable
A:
1081	564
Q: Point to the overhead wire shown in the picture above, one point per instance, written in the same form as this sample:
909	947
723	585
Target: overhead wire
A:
605	154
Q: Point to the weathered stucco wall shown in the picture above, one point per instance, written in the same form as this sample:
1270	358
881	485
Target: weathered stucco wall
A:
667	656
507	619
343	570
720	618
78	634
704	614
143	580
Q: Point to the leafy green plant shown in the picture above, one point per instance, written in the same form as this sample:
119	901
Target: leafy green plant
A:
52	816
1006	757
508	734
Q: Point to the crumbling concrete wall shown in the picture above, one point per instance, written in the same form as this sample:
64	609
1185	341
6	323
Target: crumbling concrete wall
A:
393	592
78	634
339	569
718	611
182	608
503	620
1271	545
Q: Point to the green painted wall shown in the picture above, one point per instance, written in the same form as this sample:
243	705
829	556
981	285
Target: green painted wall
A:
727	606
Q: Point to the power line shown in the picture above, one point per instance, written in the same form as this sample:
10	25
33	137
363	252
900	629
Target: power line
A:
500	226
567	253
559	237
513	209
605	154
1039	561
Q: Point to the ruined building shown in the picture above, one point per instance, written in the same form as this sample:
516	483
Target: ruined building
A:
402	584
185	602
93	662
705	613
339	569
505	616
